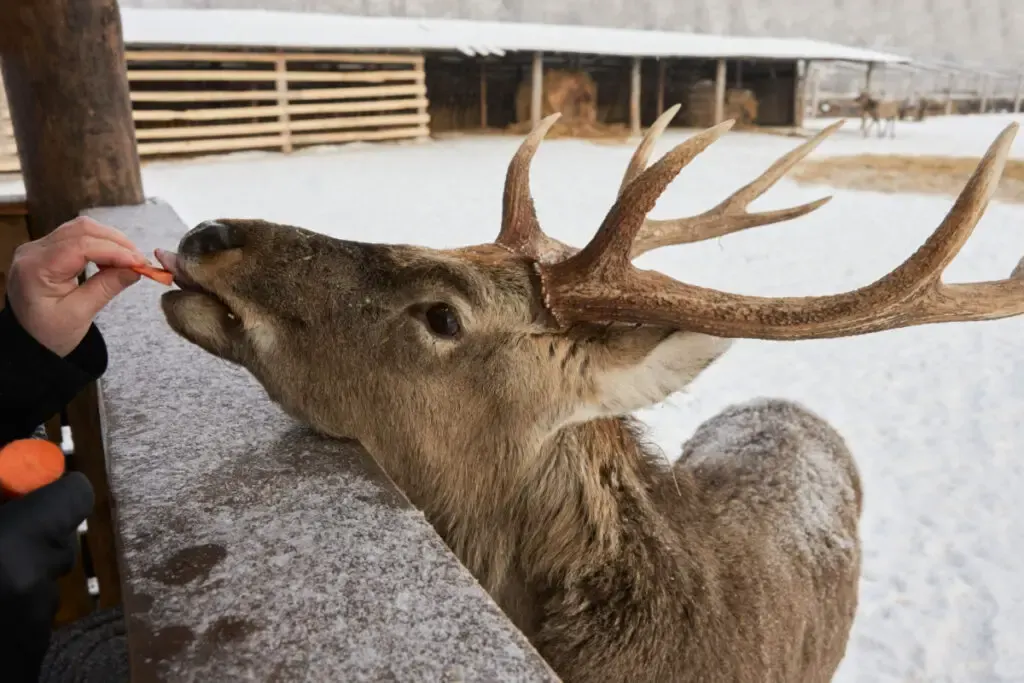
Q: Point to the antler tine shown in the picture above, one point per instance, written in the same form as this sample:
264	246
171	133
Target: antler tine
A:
912	294
731	215
642	154
609	249
520	230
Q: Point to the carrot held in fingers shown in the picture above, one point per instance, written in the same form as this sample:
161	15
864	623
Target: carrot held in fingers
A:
164	277
29	464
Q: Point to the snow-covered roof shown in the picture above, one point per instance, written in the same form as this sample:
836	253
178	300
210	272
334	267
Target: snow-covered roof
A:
297	30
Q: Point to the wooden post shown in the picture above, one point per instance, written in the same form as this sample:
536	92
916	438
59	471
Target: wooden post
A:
720	92
949	93
634	98
537	91
814	76
662	68
64	70
483	94
868	76
908	87
799	84
985	84
281	68
1018	95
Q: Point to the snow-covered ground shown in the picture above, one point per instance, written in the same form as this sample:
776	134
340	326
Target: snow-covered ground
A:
935	415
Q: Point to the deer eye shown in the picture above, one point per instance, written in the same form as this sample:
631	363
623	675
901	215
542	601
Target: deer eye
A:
442	320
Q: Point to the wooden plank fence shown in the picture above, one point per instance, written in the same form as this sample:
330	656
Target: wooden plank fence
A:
187	102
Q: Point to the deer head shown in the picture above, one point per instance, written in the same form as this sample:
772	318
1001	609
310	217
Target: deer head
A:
453	367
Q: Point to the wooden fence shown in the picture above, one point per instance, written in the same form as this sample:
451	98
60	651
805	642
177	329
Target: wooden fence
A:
188	102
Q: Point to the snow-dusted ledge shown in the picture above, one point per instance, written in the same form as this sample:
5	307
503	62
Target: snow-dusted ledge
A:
252	549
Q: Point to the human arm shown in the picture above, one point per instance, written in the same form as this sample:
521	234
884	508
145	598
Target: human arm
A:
49	347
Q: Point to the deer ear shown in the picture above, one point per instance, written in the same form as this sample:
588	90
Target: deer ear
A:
632	368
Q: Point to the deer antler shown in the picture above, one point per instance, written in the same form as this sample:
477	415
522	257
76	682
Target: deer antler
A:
599	284
522	234
730	215
520	230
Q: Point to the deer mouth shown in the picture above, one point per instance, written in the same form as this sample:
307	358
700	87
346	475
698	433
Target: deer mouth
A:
172	263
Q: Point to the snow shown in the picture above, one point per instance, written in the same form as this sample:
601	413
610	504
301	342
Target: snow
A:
264	28
932	414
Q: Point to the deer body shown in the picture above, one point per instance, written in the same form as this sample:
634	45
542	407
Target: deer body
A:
877	111
495	385
713	572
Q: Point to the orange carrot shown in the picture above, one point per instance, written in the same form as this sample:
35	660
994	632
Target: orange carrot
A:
162	276
29	464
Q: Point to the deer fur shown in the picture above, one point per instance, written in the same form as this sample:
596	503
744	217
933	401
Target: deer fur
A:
740	563
877	111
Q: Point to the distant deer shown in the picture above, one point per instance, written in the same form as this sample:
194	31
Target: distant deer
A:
495	384
877	111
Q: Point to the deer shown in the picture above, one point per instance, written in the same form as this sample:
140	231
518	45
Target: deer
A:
878	111
496	385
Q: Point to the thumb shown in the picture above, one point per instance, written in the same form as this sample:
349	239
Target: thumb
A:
99	290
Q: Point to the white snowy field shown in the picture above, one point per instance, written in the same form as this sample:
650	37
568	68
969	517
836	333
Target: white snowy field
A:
934	415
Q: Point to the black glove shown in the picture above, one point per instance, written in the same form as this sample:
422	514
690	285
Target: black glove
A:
38	545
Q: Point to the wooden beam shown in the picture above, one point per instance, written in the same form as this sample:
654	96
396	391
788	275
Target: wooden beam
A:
799	86
720	92
634	97
281	68
64	70
951	81
1018	94
483	95
814	76
662	68
537	90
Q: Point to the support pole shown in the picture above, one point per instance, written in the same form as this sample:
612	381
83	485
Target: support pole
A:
814	75
538	87
662	68
281	85
720	92
985	84
868	77
483	95
64	70
949	93
799	93
634	98
1018	94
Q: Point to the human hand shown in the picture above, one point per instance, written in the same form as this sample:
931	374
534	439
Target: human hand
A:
43	288
38	541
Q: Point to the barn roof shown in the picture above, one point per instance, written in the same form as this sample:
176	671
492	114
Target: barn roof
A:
298	30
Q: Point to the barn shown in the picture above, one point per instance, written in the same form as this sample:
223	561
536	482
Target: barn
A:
217	81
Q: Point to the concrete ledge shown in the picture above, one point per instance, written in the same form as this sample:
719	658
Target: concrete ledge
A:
254	550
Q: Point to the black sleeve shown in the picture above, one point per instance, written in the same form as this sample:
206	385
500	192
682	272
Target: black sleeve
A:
35	383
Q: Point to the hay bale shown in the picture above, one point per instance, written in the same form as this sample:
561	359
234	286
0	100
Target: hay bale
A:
740	104
573	93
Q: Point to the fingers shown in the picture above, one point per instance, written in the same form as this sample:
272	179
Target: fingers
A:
83	226
66	258
99	290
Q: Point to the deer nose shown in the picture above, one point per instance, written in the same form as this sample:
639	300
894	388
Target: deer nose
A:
210	237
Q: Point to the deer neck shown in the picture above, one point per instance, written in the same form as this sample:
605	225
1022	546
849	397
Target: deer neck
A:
585	499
